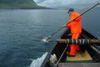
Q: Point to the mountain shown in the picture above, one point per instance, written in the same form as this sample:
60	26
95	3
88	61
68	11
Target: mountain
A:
19	4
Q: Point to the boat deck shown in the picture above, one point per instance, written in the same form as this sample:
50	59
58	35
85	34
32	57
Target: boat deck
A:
83	57
79	65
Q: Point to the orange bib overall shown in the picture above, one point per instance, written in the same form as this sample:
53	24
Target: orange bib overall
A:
76	29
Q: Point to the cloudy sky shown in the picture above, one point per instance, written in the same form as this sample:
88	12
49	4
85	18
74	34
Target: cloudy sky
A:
66	3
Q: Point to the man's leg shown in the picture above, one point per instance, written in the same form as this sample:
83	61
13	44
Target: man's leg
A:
76	37
72	46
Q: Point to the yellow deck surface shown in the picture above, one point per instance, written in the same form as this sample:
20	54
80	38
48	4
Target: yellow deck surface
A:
80	57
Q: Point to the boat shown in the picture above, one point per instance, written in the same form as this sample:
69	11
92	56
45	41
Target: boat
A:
88	55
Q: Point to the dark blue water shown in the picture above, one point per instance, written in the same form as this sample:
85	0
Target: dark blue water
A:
21	32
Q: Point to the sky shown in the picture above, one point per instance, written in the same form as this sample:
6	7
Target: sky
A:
66	3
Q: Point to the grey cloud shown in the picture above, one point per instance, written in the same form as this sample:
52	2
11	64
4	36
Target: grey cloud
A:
66	3
38	1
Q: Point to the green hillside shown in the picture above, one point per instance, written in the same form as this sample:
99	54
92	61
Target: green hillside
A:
18	4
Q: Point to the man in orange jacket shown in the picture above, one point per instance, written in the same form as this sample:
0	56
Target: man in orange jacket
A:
76	29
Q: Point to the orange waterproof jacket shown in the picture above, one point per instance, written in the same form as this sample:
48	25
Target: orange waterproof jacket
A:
75	26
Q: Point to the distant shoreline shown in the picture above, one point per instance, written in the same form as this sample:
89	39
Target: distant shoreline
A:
20	4
25	8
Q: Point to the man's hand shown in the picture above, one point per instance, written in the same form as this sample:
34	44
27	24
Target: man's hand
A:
72	20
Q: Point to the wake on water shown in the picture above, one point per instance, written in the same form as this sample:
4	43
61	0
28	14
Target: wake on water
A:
45	40
37	62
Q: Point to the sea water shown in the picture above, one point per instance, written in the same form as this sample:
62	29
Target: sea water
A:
21	32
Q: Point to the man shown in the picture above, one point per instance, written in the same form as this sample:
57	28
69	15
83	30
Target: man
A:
76	29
